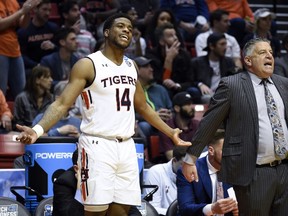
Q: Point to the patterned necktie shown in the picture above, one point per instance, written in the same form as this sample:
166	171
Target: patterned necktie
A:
277	129
219	193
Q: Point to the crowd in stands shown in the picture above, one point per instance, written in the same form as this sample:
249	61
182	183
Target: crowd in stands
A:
182	50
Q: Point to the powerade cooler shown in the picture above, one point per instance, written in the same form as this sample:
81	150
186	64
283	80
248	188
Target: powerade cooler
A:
44	161
49	157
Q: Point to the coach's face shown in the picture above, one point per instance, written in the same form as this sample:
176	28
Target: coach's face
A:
261	62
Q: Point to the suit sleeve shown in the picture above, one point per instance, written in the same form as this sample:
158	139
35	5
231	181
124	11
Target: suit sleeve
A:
186	197
212	119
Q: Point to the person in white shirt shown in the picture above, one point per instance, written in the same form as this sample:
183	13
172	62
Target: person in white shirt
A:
164	175
219	22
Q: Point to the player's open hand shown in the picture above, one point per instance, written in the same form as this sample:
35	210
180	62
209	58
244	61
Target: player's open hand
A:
177	141
27	135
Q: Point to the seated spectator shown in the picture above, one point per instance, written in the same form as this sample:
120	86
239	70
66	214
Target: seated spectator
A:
64	190
202	197
68	125
164	175
240	16
263	20
61	62
219	22
191	16
171	63
159	18
145	10
281	63
5	115
156	95
36	39
70	14
97	11
209	69
183	119
35	98
138	45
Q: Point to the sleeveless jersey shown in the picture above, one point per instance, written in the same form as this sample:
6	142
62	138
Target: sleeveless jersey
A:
108	103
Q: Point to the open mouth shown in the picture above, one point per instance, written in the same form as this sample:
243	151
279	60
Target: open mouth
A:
268	64
124	37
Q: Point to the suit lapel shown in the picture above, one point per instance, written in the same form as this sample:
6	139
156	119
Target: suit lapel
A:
250	96
204	174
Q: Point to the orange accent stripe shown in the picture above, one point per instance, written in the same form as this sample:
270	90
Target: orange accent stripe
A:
86	99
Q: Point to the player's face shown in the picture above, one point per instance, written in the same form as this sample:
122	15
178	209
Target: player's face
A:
120	34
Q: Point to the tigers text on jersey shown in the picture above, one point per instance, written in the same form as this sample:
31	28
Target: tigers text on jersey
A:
108	103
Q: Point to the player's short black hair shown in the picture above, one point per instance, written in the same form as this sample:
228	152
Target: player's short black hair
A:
110	20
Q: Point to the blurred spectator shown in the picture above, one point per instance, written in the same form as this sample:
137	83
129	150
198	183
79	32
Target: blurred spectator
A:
35	98
240	16
68	125
192	16
156	95
164	175
36	39
209	69
171	63
219	22
263	20
159	18
61	62
11	61
70	14
200	198
97	11
5	115
281	63
183	119
145	10
138	45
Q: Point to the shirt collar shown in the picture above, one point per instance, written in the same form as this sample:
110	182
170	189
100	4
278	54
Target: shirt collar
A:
256	80
211	169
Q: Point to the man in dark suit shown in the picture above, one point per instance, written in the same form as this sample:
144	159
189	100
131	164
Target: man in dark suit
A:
259	175
199	198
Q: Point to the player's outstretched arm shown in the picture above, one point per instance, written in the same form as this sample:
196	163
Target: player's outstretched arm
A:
81	75
153	118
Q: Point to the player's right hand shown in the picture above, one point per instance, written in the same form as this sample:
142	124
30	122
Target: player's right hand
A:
27	135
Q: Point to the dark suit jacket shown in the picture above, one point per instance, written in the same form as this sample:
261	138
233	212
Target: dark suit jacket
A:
203	72
193	197
53	62
64	189
234	104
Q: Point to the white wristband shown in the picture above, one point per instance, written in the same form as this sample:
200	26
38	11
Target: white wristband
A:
38	130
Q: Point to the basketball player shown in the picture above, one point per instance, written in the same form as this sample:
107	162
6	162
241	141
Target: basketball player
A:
107	82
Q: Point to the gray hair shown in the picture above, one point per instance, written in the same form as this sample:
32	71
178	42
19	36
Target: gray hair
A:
250	45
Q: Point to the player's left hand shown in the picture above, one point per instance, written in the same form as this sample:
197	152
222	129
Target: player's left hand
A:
177	141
